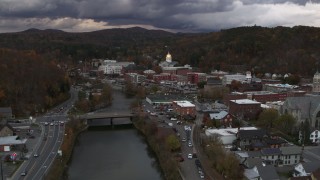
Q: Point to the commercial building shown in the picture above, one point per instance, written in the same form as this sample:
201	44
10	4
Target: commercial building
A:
244	108
183	108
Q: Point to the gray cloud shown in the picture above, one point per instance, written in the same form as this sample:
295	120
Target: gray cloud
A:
177	15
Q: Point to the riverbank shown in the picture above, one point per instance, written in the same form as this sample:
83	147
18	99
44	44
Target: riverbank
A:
59	168
168	164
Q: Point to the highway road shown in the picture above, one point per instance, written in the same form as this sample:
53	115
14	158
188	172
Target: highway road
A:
49	143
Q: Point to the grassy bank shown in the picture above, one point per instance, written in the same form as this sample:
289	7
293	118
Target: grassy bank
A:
168	164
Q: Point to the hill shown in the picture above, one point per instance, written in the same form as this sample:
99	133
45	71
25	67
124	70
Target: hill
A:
274	50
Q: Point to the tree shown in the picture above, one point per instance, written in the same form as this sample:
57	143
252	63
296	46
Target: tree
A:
173	142
267	118
285	123
106	95
201	84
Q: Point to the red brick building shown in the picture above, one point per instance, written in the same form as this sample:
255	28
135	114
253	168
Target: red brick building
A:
245	108
184	108
195	78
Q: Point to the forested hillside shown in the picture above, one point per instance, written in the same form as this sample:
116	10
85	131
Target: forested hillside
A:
274	50
29	83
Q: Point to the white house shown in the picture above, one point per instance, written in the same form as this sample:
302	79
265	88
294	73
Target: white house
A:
228	135
315	136
305	169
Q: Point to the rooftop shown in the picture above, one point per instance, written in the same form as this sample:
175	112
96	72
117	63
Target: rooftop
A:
245	101
10	140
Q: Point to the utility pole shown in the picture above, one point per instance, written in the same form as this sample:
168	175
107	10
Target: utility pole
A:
1	169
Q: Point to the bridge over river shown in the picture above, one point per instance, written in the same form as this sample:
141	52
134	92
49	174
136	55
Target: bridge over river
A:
102	118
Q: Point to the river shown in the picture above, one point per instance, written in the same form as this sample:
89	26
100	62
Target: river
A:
119	154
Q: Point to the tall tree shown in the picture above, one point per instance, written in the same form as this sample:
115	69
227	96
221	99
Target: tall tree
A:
267	118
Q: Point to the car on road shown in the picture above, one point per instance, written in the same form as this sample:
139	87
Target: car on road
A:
189	144
35	155
189	156
173	119
201	175
24	173
183	139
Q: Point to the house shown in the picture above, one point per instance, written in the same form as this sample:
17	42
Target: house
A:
6	130
246	137
262	172
305	168
267	172
223	117
272	155
6	113
290	155
315	136
227	135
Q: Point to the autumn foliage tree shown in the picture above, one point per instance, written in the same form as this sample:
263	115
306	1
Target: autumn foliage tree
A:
29	83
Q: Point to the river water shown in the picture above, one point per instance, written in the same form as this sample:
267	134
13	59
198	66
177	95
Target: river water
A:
119	154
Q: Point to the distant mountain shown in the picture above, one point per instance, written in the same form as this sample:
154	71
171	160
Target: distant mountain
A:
273	50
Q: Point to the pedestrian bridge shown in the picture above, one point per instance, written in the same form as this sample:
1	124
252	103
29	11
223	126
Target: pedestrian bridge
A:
121	117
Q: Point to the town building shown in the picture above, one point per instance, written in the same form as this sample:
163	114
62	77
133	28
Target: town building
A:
244	108
223	117
135	78
6	130
305	108
168	62
316	83
8	141
183	108
305	168
112	67
227	79
226	135
6	113
165	99
195	77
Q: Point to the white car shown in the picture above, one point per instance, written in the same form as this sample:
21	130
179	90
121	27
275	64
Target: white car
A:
189	156
173	119
46	123
51	124
189	144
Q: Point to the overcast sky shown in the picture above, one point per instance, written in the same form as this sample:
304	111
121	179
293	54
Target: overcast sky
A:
172	15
